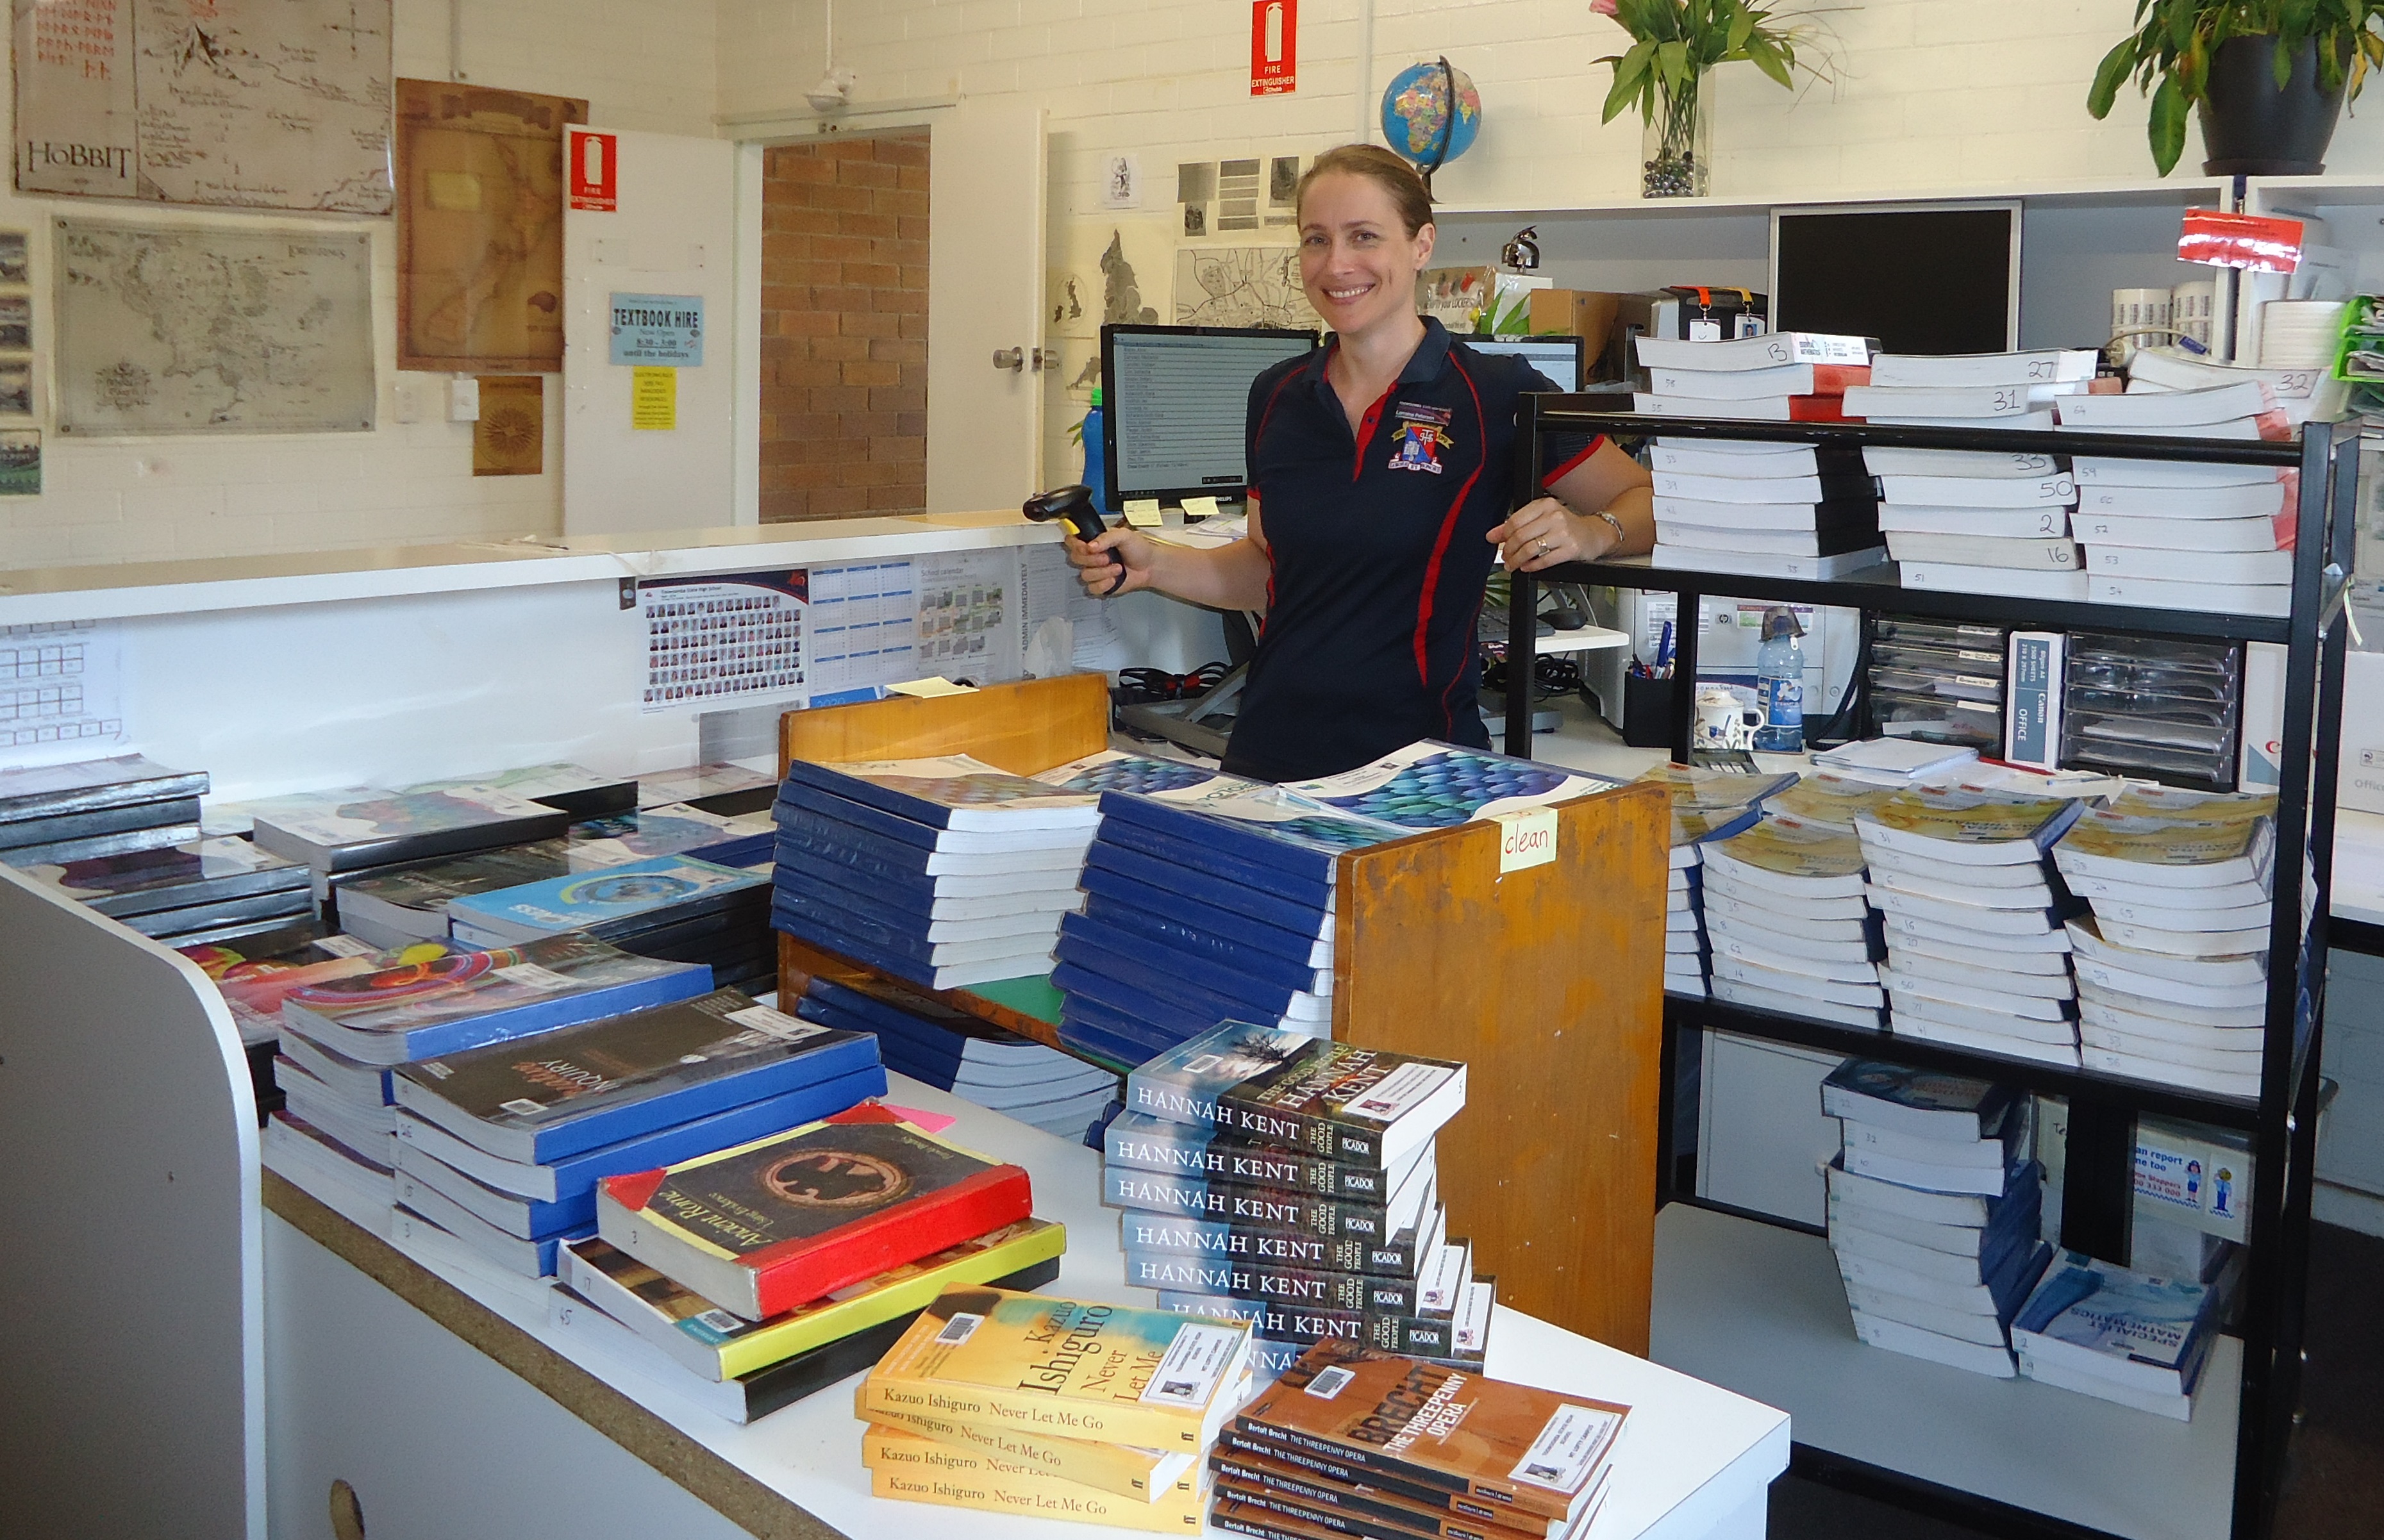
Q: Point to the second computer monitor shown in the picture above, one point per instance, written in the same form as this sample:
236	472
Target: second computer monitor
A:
1558	357
1175	404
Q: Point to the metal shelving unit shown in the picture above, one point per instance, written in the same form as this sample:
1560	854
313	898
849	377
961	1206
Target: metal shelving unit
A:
2098	1182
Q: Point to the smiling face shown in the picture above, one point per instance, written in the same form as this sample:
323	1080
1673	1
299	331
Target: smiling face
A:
1356	260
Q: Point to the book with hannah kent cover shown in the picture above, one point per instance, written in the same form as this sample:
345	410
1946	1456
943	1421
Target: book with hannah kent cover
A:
1362	1106
1526	1453
768	1225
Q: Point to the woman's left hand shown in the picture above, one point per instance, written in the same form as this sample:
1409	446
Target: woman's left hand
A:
1545	533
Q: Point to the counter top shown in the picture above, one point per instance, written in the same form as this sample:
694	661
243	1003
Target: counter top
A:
37	595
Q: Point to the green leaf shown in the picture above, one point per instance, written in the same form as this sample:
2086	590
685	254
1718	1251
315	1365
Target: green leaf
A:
1767	58
2109	76
2165	127
1742	27
2193	71
1673	63
1621	95
2280	63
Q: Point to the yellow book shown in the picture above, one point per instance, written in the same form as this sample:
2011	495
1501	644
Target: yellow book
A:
1790	856
1822	798
922	1471
2168	852
2145	800
1065	1369
1119	1468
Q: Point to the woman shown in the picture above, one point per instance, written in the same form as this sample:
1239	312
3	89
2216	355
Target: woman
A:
1384	464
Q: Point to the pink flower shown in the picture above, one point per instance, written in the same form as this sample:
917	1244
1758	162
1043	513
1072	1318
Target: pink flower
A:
1603	7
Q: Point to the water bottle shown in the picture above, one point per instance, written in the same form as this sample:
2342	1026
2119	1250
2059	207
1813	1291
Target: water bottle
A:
1780	685
1097	457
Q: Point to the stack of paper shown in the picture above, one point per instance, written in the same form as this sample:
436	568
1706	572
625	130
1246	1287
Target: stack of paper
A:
1786	918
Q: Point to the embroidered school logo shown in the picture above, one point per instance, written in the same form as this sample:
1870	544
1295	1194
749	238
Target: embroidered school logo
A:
1424	433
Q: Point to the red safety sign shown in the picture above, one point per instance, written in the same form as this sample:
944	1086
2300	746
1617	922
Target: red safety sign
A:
595	168
1275	48
2248	241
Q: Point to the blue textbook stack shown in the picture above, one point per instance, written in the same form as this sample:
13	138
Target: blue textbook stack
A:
944	871
977	1061
674	907
1934	1211
501	1147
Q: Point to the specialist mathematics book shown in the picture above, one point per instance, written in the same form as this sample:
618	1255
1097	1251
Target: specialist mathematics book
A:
1361	1106
582	1088
1065	1369
430	999
951	792
718	1346
1430	785
764	1227
1354	1415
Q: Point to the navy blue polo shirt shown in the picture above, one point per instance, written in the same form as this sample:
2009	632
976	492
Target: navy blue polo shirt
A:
1377	555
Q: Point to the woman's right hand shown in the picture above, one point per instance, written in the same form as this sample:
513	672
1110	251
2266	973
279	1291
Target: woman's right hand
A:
1099	573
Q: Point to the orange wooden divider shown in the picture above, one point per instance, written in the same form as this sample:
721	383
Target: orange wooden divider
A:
1023	727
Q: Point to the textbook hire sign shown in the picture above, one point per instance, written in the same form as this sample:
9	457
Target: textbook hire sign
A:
658	329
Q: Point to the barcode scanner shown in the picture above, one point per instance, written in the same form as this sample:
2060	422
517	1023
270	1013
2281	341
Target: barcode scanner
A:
1075	505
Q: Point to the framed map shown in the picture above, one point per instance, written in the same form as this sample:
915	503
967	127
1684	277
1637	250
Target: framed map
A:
239	104
180	328
479	227
1242	286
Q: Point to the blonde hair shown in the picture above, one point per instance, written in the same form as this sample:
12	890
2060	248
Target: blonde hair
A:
1409	195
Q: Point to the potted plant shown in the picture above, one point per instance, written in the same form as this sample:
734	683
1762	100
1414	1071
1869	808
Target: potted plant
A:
1674	43
2267	78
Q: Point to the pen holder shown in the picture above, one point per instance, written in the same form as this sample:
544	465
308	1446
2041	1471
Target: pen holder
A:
1646	712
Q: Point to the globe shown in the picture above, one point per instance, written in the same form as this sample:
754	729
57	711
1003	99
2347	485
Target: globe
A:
1416	111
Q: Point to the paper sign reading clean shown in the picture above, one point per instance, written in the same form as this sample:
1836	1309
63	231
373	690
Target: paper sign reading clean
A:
1142	512
1199	507
1526	839
930	689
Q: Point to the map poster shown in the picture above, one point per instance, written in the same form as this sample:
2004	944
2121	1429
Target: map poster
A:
188	328
1242	286
479	227
510	437
237	103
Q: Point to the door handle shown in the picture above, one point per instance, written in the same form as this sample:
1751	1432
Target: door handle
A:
1013	359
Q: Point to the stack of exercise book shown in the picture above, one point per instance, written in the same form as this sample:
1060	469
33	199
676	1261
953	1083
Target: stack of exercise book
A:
1787	509
953	1051
1972	389
2173	964
1785	377
1707	805
945	872
673	908
1895	762
344	1023
203	888
1979	521
359	827
2151	525
1934	1211
1973	912
1356	1442
1077	1411
2102	1330
1786	918
1269	1177
53	814
501	1146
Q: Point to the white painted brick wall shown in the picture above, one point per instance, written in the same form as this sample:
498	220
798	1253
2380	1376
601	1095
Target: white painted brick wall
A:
641	64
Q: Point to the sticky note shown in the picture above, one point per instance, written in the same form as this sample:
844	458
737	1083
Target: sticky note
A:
1527	837
653	397
930	689
1142	512
1199	507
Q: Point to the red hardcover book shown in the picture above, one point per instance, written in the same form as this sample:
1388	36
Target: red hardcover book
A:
766	1226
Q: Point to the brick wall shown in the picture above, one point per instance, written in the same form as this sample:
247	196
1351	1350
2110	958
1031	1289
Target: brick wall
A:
844	328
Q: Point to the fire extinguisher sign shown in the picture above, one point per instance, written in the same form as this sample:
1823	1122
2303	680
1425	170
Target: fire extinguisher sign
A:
1275	48
595	171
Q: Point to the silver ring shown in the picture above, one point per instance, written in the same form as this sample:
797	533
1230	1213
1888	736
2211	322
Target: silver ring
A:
1545	548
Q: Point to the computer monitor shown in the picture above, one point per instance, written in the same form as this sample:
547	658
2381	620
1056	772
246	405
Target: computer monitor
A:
1921	278
1560	358
1175	400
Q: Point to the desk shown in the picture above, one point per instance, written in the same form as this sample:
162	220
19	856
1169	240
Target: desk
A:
438	1441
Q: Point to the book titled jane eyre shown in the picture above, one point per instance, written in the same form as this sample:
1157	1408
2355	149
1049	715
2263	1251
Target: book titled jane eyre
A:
1363	1106
765	1226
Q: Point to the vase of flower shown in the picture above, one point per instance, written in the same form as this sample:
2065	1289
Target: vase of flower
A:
1676	144
1674	46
